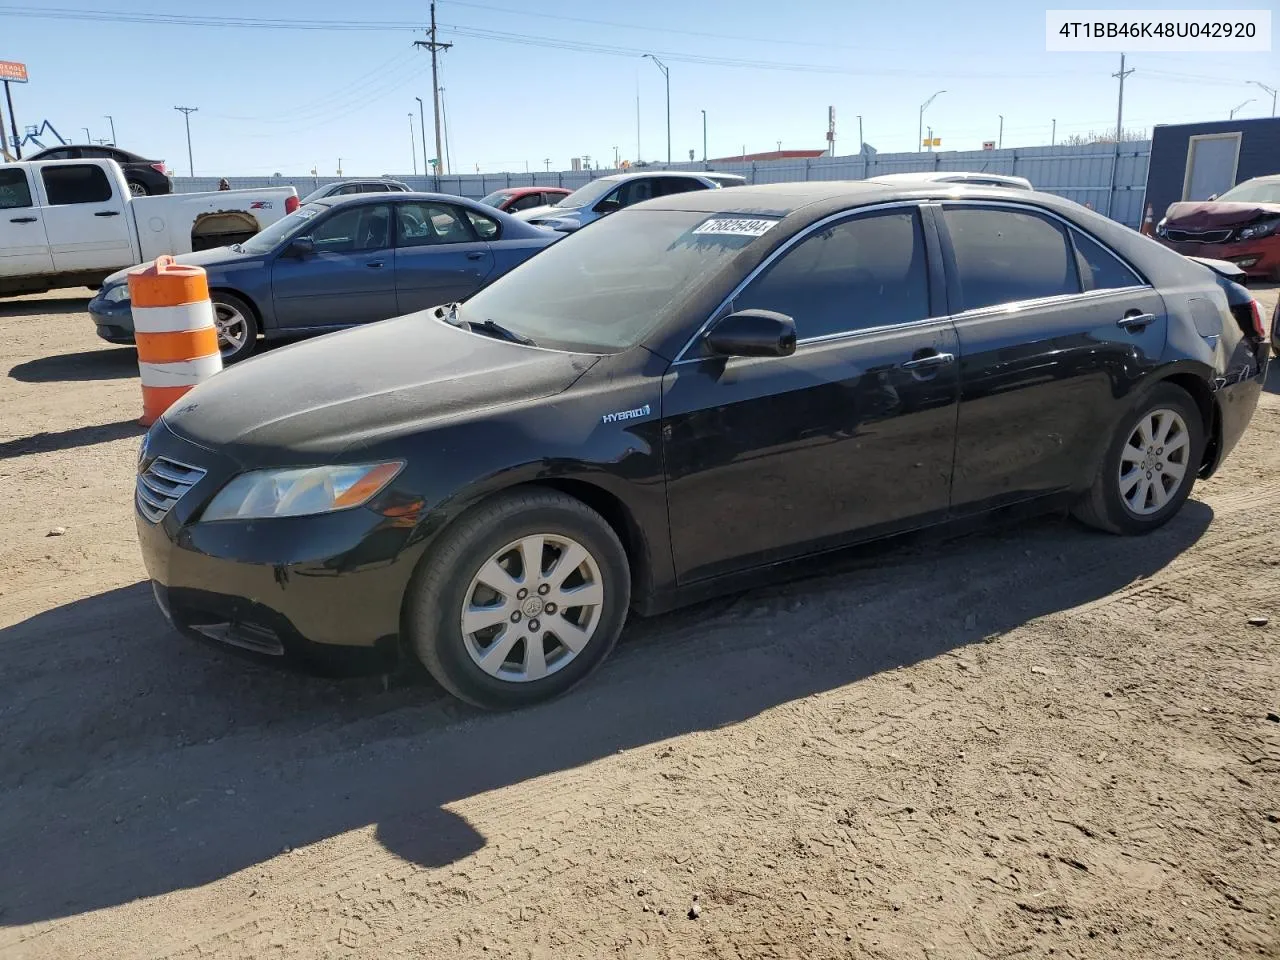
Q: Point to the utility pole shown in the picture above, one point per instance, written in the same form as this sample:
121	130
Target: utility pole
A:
667	76
112	120
186	115
435	46
1053	132
779	146
413	145
1000	138
1120	105
1270	90
704	136
615	158
547	161
920	124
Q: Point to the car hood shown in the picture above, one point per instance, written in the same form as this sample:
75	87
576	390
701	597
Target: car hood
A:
214	258
1218	213
350	390
537	213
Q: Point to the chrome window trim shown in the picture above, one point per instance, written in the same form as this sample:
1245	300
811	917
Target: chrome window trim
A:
768	261
1016	306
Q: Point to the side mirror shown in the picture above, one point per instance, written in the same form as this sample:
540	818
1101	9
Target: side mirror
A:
301	247
608	205
753	333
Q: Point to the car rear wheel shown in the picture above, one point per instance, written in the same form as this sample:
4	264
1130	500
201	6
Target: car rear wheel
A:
521	599
1150	465
137	189
237	326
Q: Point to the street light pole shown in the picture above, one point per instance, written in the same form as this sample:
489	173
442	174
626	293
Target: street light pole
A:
704	136
112	121
1270	90
666	74
422	128
1000	138
1238	107
413	145
88	138
186	115
1053	132
920	125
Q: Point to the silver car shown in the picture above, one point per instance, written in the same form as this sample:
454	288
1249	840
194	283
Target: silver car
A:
610	194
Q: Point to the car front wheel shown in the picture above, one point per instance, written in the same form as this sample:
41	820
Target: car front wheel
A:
520	600
1150	466
237	326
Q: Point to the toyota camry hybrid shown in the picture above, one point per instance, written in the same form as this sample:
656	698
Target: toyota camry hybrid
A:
694	392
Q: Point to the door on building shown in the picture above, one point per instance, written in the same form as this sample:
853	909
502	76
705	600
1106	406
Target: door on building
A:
1211	165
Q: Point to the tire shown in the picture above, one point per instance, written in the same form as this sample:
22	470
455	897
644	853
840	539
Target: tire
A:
1118	506
137	189
448	580
232	314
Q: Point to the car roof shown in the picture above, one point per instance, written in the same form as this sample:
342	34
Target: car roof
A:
645	174
513	191
948	176
1269	178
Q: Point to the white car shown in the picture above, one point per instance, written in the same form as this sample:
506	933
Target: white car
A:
74	222
609	194
955	176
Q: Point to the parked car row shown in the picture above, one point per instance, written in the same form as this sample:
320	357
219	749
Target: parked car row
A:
698	392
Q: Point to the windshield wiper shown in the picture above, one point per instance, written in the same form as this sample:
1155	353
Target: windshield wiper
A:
448	312
502	333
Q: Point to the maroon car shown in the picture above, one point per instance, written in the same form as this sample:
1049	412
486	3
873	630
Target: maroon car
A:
1241	226
513	199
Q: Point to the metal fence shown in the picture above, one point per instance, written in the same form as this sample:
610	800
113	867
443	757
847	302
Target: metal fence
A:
1112	181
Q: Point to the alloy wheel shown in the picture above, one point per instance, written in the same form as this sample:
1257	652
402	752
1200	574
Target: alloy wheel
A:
1154	461
532	607
232	327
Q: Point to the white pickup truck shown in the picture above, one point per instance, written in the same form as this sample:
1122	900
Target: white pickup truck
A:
67	223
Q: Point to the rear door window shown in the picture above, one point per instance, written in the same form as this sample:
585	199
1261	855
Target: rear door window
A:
1005	256
15	191
1100	269
76	183
425	224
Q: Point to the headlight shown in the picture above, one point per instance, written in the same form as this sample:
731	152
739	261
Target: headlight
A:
1259	230
117	293
299	493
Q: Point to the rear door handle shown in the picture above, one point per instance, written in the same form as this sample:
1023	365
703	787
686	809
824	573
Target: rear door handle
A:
925	363
107	213
22	219
374	264
476	255
1136	321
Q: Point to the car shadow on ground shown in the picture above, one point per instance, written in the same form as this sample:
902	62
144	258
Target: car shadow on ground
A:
47	441
118	363
139	763
43	306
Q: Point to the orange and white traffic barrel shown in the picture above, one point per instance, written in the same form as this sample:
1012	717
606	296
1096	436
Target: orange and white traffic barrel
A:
1148	222
173	328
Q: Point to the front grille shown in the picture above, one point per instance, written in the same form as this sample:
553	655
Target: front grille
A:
1199	236
162	485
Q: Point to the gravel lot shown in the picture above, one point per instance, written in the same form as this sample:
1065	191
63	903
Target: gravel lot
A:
1038	740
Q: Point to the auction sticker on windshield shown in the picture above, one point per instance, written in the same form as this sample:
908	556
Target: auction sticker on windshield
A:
735	226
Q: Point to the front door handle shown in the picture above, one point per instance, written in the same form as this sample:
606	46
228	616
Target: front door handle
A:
925	363
374	264
107	213
1133	320
22	219
476	255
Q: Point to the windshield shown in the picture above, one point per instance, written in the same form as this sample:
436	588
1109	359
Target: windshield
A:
1256	192
495	198
602	289
268	239
317	194
585	196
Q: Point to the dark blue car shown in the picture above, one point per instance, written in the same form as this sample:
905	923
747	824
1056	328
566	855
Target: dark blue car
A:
342	261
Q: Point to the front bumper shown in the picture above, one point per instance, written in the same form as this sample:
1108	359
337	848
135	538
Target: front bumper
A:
114	321
1258	258
322	593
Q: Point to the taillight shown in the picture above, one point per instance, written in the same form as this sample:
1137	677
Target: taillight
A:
291	204
159	168
1256	308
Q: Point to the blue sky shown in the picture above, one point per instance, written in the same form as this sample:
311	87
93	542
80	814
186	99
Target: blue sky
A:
528	81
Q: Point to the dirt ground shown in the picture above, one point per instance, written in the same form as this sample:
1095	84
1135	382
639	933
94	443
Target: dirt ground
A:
1035	741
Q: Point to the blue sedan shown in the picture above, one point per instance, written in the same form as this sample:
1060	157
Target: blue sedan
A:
342	261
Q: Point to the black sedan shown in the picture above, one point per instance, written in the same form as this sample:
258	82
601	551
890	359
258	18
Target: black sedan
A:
696	390
146	178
